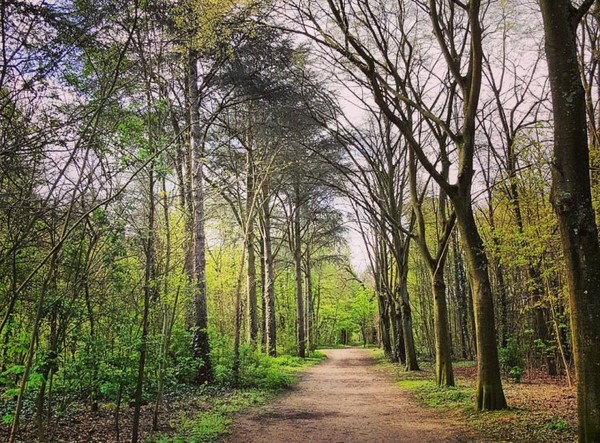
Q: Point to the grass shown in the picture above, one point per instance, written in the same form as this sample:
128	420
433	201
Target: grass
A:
464	364
430	394
532	419
206	428
213	411
215	421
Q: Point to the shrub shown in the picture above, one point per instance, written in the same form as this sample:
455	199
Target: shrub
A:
515	374
511	360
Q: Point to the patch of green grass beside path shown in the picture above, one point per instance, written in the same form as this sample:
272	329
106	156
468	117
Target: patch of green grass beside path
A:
531	422
211	411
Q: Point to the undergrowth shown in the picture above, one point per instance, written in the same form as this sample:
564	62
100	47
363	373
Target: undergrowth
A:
262	377
432	395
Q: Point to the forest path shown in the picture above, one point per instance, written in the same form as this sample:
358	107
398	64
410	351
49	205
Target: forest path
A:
346	400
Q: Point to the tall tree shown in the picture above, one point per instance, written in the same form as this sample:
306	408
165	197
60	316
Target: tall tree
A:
435	262
201	344
572	201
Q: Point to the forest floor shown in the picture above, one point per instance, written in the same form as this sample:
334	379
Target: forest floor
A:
542	409
347	399
189	414
354	396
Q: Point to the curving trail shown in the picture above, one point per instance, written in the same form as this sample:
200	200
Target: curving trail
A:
346	400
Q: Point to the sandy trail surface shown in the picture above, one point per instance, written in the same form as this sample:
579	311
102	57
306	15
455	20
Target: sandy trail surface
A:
346	399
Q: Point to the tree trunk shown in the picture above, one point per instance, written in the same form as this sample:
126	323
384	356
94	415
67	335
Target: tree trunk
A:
168	317
149	272
309	302
444	374
501	288
407	328
435	267
237	331
460	289
250	255
95	390
300	333
399	347
252	302
384	325
318	308
402	299
162	360
47	370
472	334
149	289
201	346
571	198
263	295
490	395
542	317
269	314
31	349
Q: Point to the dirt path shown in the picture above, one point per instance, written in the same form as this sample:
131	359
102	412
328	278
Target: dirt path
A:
345	399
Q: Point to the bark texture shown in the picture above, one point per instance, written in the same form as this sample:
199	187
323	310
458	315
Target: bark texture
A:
490	395
571	198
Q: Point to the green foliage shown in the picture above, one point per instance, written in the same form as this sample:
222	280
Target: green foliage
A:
210	426
511	360
205	428
262	376
262	371
442	397
346	305
557	425
257	370
182	367
274	373
210	24
545	349
515	374
216	417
